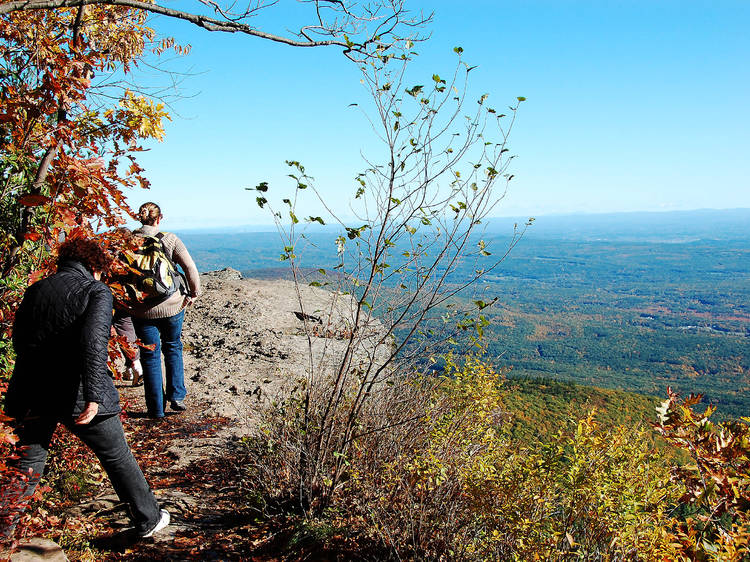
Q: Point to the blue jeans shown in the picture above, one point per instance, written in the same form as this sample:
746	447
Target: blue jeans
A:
105	437
165	335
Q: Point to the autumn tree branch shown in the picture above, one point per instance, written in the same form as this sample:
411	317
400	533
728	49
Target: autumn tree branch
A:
386	23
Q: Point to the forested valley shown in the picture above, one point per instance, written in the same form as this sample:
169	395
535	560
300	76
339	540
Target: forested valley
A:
629	302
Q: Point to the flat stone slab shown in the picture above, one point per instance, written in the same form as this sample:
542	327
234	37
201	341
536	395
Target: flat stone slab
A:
37	549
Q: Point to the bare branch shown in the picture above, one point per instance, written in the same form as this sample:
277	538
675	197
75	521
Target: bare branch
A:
341	32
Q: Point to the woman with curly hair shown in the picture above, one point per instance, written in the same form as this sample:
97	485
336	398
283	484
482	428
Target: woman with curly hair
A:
60	336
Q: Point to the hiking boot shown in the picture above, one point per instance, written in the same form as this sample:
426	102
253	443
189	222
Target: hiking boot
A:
178	405
160	524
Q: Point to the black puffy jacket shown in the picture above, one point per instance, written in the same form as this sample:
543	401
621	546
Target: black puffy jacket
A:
60	336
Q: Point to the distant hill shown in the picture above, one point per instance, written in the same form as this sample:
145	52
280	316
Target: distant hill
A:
258	247
540	406
667	226
664	227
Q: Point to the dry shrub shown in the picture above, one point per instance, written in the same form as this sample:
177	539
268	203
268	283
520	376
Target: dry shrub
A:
456	487
433	474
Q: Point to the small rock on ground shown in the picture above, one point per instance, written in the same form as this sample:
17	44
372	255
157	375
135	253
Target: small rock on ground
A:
37	549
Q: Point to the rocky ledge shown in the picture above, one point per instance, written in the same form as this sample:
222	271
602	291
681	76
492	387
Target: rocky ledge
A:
244	340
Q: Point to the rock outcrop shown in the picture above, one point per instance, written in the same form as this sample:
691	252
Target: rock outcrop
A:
244	340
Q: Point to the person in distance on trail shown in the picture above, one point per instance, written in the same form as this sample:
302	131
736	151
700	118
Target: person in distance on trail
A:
122	323
60	335
160	324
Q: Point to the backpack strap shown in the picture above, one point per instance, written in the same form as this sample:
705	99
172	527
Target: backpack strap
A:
182	284
160	237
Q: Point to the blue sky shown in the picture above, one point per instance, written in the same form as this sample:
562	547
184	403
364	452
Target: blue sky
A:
635	105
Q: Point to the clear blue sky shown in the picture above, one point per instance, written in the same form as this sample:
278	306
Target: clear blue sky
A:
635	105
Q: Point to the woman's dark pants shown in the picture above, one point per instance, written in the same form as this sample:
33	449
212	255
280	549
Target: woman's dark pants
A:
106	438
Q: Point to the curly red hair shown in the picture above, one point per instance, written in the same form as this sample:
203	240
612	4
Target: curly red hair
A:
85	250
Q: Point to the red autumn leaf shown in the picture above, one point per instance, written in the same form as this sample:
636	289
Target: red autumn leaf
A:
34	236
7	435
33	200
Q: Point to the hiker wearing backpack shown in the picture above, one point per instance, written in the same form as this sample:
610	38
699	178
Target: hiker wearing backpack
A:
61	335
158	316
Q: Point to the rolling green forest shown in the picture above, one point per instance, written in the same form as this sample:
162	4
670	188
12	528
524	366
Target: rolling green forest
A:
635	305
631	316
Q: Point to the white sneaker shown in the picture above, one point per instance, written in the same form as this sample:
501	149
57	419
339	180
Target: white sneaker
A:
160	524
137	370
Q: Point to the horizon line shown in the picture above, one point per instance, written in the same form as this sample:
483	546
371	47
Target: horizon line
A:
270	227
